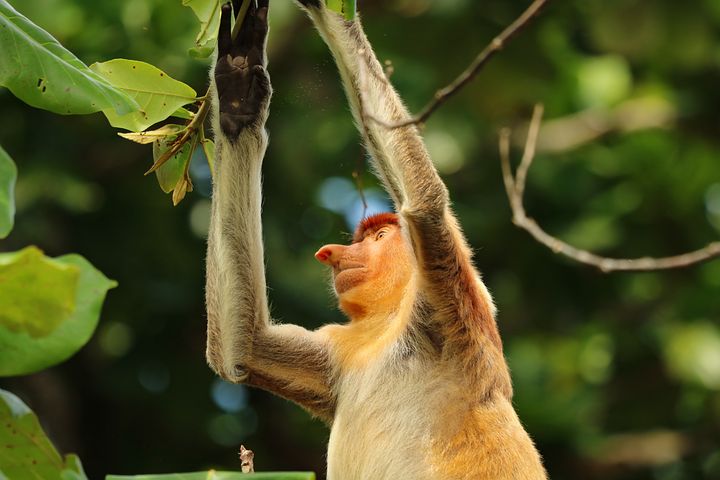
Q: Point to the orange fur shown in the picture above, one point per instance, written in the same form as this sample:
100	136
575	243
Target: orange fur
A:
374	222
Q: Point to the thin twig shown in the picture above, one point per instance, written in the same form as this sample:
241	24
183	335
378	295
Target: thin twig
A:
467	75
356	175
515	188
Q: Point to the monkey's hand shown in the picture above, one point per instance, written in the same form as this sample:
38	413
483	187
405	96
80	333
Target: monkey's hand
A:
243	84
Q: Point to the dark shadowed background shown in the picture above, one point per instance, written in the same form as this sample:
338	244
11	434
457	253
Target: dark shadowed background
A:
616	376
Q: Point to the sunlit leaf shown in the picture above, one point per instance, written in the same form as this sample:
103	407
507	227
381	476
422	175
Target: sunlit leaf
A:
158	95
26	451
215	475
42	73
50	308
208	12
166	131
8	176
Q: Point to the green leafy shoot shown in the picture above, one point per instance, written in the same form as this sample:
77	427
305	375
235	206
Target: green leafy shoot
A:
42	73
173	175
27	452
8	176
158	94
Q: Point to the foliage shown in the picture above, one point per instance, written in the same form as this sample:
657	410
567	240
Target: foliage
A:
50	308
44	74
158	95
208	12
27	453
8	176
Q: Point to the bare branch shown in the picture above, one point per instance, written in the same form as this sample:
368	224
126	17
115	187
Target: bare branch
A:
515	188
467	75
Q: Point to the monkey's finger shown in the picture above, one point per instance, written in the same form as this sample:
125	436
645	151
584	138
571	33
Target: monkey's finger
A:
263	3
224	34
260	27
260	87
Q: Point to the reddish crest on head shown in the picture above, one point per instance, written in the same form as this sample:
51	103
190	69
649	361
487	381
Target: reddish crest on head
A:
373	223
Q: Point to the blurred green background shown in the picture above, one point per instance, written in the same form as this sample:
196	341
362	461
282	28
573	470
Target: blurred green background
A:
616	376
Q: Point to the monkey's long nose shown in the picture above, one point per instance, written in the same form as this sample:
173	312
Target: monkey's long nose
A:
330	254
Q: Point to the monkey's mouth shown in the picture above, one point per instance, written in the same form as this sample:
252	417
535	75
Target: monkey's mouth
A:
345	266
348	276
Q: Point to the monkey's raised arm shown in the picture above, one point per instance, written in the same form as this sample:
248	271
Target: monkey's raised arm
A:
243	345
402	162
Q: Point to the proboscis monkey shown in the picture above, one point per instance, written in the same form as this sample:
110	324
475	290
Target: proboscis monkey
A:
415	385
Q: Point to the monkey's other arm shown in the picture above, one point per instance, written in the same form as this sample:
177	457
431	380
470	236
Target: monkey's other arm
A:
243	345
450	282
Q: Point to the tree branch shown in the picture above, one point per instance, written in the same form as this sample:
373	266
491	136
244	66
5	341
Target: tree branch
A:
467	75
515	188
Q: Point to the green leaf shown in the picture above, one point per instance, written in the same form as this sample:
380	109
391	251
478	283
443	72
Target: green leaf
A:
214	475
208	12
42	73
50	308
201	52
8	176
173	169
183	113
26	451
158	94
346	7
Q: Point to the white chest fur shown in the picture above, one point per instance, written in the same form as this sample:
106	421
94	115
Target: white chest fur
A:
382	424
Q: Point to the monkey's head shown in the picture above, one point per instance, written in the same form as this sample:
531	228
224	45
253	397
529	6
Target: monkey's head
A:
370	275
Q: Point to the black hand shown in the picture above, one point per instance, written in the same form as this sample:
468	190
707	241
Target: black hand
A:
243	85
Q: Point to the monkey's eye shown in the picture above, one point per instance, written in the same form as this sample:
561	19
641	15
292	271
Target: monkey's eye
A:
380	234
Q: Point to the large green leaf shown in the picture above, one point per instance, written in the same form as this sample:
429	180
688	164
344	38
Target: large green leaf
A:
50	308
208	12
42	73
8	175
158	94
26	451
214	475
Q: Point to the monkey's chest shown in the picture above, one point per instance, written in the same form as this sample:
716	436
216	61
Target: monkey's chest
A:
383	425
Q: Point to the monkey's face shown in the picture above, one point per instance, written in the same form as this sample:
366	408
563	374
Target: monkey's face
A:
371	273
